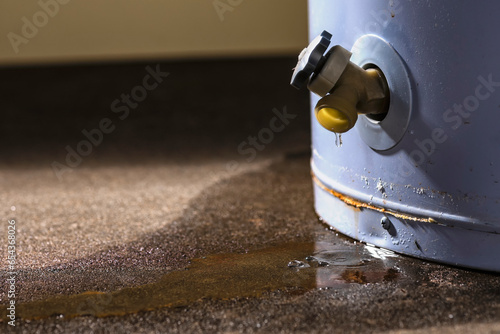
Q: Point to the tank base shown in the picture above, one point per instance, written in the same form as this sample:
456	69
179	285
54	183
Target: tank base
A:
410	236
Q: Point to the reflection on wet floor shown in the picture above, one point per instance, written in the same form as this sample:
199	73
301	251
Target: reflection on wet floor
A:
362	264
293	267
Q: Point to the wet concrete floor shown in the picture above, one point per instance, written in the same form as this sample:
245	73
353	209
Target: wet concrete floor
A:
293	266
248	259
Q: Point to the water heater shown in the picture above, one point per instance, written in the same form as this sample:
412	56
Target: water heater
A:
412	88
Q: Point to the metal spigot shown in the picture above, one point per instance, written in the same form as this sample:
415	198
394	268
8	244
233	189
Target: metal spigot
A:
346	89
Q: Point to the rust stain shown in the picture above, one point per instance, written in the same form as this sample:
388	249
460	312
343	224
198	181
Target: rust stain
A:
223	276
219	277
354	276
362	205
391	275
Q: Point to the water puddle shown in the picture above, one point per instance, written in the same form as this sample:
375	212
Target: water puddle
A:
290	267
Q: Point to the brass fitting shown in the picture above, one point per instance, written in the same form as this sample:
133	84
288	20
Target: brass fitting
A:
347	90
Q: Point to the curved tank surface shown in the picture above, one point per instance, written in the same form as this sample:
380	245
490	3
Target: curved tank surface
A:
424	180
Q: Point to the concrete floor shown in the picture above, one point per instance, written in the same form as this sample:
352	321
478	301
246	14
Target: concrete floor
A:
167	227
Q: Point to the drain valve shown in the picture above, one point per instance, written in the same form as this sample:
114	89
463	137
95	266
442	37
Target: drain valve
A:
346	89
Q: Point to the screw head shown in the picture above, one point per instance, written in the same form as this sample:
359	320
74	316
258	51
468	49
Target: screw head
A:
386	223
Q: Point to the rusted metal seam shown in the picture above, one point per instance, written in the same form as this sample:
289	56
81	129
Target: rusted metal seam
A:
352	202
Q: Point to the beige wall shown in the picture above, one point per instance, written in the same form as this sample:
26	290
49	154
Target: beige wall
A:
95	30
